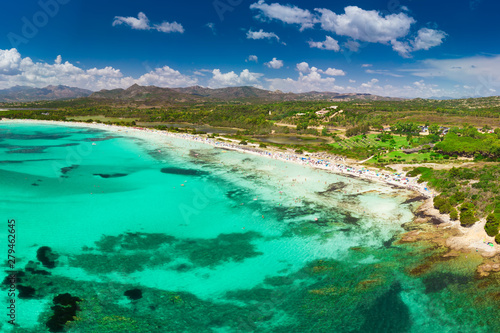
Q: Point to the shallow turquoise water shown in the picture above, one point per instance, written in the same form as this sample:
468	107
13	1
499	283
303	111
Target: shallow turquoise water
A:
217	241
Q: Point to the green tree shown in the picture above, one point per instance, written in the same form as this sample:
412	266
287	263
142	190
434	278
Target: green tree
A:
492	224
302	126
434	129
454	172
439	201
445	208
453	214
467	214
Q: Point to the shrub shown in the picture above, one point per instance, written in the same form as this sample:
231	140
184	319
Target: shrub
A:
467	216
492	224
439	201
453	214
497	239
244	143
302	126
459	196
445	208
262	145
298	151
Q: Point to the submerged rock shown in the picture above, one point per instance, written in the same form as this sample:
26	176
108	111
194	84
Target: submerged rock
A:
133	294
183	172
47	257
487	268
25	292
112	175
65	309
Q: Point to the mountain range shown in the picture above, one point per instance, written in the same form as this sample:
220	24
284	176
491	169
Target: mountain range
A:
49	93
152	95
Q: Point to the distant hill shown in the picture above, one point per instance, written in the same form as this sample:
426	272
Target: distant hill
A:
152	95
444	98
49	93
149	94
230	93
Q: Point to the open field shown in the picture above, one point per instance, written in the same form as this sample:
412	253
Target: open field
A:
371	140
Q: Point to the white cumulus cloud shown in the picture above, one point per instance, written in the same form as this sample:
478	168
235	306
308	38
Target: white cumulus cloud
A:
329	44
16	70
231	79
252	58
286	13
275	63
9	61
166	77
366	25
369	84
427	38
402	48
310	79
357	24
332	72
303	67
261	34
142	23
168	27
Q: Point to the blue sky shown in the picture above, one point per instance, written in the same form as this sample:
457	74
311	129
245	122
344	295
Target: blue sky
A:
403	48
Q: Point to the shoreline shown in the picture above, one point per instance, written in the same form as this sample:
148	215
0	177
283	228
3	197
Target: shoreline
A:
470	239
337	166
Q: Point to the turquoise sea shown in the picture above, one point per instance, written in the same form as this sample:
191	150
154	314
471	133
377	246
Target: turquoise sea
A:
119	233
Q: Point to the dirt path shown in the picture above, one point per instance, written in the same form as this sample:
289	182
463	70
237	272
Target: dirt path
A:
435	166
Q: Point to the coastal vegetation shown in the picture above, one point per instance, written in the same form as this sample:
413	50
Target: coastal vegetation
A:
467	194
